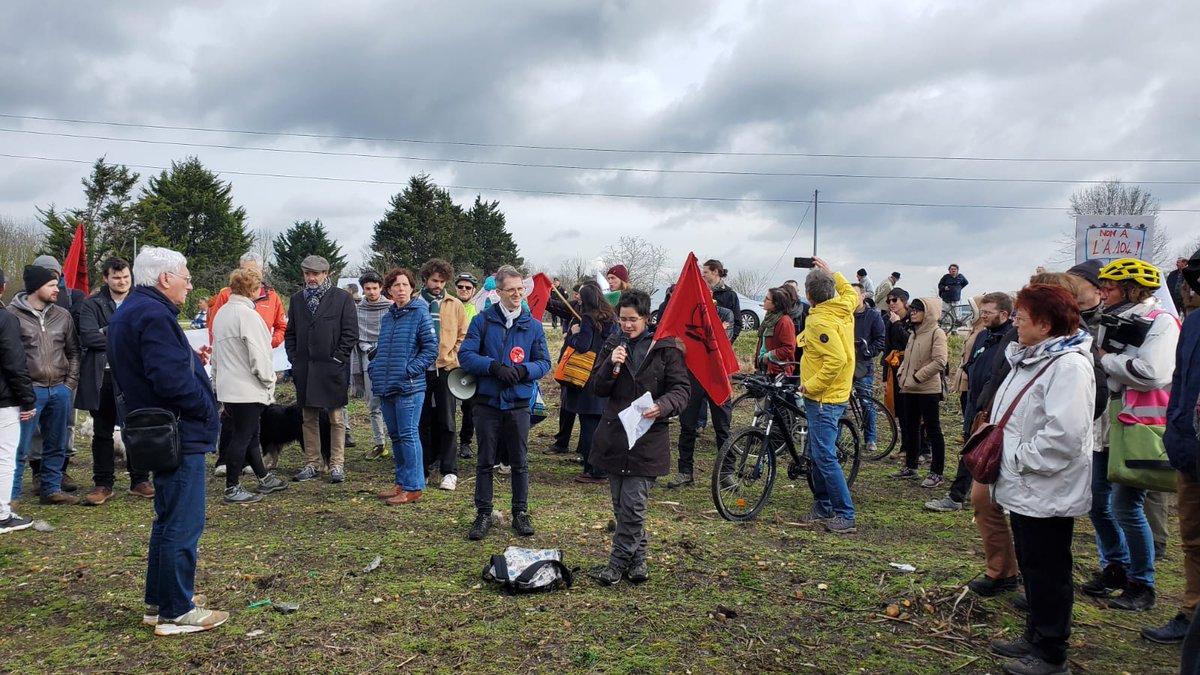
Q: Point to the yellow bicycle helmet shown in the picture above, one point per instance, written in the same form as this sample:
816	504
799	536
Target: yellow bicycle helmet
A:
1132	269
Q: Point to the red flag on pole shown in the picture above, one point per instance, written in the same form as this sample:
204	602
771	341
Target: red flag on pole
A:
75	271
692	317
539	297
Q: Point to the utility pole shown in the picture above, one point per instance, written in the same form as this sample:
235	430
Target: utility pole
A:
815	193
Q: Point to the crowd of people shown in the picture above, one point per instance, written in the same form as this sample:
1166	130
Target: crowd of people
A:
1070	370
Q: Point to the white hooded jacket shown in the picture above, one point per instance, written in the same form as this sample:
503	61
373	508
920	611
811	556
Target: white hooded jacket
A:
1046	469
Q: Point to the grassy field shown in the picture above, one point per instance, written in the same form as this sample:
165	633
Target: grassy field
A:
762	596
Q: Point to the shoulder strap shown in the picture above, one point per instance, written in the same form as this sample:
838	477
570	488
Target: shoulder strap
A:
1013	406
498	569
527	575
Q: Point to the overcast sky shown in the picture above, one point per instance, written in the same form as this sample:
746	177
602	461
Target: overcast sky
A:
1099	81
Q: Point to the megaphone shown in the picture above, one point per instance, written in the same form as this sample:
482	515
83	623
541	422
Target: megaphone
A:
461	384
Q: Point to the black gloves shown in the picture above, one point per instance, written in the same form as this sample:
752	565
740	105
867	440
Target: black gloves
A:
522	373
506	374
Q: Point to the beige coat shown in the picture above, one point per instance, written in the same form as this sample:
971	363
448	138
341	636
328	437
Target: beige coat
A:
242	363
926	355
452	319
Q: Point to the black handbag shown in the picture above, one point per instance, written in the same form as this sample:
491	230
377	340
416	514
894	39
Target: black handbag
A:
152	440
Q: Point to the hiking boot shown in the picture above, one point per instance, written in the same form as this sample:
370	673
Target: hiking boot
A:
589	478
679	480
813	516
376	452
219	471
1020	602
607	575
522	524
150	617
944	505
1110	580
1170	634
59	498
390	492
1135	598
637	572
197	620
97	496
270	483
14	522
933	480
464	451
449	482
1013	649
556	450
405	497
337	474
988	587
68	484
239	495
840	525
142	489
1034	665
307	473
906	474
479	529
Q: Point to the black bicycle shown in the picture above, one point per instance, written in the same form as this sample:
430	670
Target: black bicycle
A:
887	431
744	472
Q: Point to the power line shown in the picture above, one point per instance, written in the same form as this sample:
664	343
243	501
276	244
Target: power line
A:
569	148
566	193
789	244
574	167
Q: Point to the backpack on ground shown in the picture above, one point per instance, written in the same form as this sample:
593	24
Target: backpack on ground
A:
525	570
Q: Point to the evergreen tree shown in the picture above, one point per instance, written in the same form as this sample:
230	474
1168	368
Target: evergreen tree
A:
293	245
422	222
495	245
190	209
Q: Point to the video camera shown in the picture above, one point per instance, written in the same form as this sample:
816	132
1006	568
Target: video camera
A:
1121	332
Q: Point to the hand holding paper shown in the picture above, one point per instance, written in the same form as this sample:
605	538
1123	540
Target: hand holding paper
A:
634	418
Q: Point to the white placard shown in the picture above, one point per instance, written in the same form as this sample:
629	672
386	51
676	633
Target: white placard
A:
1107	238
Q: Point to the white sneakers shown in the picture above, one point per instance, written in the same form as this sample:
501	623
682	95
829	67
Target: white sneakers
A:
199	619
449	482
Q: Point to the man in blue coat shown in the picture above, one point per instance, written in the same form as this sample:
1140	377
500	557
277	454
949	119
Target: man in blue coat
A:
506	350
153	366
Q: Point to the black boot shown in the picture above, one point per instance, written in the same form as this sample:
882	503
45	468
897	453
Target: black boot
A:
1170	634
1112	579
1135	598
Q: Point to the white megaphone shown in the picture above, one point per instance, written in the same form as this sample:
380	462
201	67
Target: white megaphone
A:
461	383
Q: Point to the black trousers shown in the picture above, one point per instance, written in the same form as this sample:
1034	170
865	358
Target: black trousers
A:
689	424
960	489
510	428
437	427
917	410
467	433
566	424
103	422
244	422
1044	558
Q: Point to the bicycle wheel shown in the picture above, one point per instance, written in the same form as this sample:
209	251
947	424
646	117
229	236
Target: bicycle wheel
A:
887	431
848	453
743	475
748	411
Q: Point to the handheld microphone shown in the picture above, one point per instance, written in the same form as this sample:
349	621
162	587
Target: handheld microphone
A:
623	342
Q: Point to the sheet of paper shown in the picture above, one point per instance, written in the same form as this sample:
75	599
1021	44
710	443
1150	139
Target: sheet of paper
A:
631	418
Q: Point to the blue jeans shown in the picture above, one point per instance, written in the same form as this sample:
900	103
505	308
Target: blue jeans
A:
53	410
1122	532
863	389
401	414
178	524
830	493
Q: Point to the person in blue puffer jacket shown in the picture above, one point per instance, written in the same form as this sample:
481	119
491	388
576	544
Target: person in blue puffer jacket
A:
407	347
506	350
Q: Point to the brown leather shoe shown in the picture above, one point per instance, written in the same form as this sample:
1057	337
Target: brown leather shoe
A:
97	496
68	484
394	491
143	489
59	497
405	498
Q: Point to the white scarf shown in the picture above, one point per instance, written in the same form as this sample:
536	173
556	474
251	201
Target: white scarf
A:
509	317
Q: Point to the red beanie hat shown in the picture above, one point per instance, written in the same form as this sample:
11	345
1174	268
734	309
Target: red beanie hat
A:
619	272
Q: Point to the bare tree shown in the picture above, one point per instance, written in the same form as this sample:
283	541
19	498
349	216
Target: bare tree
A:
1112	198
645	262
19	244
752	283
263	245
574	270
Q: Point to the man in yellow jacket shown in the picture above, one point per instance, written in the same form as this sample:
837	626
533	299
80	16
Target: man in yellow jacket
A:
826	376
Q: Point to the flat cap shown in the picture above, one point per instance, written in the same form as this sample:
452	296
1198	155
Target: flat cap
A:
315	263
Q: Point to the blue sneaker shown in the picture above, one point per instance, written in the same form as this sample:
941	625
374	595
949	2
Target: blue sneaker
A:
840	525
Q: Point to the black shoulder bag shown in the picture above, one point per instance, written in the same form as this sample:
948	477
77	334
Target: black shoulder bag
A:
151	436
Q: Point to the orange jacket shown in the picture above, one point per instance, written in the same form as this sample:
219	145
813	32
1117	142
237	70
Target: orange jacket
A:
268	306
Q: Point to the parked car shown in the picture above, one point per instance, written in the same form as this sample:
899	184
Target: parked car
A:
752	310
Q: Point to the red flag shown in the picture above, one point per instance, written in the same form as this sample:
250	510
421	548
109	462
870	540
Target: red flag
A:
539	297
692	317
75	271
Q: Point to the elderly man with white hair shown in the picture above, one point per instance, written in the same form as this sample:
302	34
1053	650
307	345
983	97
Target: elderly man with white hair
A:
267	304
153	366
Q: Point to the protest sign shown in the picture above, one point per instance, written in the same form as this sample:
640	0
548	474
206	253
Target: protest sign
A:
1107	238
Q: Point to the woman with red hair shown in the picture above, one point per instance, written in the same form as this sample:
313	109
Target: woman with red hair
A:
1045	470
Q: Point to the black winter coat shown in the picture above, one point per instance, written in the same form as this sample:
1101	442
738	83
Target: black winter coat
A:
319	346
16	389
665	376
94	313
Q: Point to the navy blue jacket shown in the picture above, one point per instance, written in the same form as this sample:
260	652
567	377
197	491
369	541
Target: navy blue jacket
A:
868	330
950	288
408	345
1179	438
488	341
155	367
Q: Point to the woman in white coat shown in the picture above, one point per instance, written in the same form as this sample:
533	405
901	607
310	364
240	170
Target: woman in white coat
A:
244	377
1045	471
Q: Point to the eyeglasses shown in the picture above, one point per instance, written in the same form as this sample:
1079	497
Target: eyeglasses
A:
186	280
465	287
